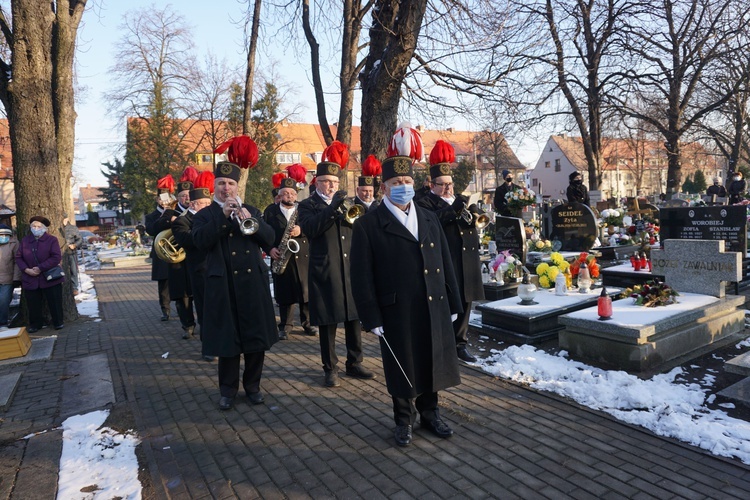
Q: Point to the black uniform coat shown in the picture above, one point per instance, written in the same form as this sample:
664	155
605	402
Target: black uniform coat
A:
159	268
330	239
463	243
408	287
196	258
290	287
372	206
177	274
238	313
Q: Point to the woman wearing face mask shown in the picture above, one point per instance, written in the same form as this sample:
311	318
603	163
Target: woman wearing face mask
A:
736	188
9	272
39	252
577	192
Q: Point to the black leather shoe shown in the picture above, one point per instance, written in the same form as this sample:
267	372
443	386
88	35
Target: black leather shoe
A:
283	335
255	398
438	427
165	317
402	434
332	379
465	355
225	403
210	359
32	330
189	330
311	331
59	327
359	371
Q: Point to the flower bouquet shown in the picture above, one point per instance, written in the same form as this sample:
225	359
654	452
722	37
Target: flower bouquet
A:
590	261
507	263
652	294
519	198
548	272
612	217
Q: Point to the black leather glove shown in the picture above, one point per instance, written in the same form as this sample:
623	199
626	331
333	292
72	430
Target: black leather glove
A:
338	198
458	203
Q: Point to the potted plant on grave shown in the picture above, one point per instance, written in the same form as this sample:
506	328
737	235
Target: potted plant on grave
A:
651	294
591	263
548	272
612	219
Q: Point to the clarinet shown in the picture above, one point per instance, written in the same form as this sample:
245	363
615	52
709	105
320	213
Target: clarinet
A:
287	246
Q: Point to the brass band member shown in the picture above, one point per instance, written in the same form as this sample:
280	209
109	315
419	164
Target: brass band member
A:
290	286
238	312
159	268
180	289
200	198
368	184
405	292
462	236
331	299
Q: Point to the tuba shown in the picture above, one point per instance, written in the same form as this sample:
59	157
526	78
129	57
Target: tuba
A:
287	246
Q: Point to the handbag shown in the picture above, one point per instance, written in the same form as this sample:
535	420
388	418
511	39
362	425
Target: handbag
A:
50	274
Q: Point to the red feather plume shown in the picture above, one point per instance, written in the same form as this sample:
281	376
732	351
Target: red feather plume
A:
443	152
298	173
371	166
277	178
338	153
205	180
166	182
314	180
189	174
241	150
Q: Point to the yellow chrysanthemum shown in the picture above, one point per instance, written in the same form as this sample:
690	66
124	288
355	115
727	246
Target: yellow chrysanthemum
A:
540	244
552	273
564	266
544	281
542	268
556	258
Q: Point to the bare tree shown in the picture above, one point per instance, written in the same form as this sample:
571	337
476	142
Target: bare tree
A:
674	48
36	89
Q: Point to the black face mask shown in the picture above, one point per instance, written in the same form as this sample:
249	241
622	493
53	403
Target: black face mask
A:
509	179
577	182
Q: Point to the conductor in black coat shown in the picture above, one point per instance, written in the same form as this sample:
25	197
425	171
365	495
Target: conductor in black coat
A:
406	292
160	268
180	288
330	291
463	243
577	192
195	259
290	287
238	311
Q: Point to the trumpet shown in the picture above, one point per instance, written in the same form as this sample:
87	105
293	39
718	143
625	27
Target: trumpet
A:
350	210
248	225
474	216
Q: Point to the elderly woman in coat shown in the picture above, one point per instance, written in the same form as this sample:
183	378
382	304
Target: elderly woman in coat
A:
406	292
38	253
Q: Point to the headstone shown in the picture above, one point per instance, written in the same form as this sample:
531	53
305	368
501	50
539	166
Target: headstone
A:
510	235
595	196
696	266
676	202
727	223
641	209
574	225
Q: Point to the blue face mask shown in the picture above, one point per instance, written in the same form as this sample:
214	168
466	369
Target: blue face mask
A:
38	231
401	194
4	240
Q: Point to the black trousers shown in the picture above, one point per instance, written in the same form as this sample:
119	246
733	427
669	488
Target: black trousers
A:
405	410
229	373
353	336
164	296
184	308
286	316
53	296
461	326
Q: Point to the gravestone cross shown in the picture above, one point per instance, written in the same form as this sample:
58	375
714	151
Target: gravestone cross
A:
636	209
697	266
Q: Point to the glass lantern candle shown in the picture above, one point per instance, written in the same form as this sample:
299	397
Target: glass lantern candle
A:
584	279
527	291
604	305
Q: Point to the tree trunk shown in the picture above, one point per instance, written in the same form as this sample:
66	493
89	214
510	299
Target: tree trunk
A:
31	117
247	115
393	39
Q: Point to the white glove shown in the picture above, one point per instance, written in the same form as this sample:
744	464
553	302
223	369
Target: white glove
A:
454	317
378	330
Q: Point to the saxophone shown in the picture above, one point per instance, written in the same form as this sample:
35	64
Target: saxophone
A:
287	246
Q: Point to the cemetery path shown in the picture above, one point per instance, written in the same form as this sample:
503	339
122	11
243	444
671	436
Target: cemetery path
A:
308	441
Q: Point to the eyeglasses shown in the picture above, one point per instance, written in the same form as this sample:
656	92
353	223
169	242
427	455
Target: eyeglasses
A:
443	185
327	182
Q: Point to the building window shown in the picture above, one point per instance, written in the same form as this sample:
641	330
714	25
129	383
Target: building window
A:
534	182
288	158
546	164
557	165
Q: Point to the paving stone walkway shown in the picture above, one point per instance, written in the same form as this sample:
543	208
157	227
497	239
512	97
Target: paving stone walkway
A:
308	441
